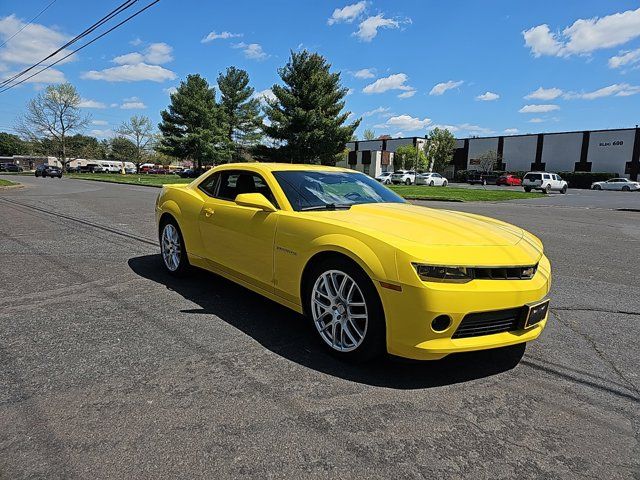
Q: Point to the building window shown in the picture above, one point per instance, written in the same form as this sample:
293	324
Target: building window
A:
365	168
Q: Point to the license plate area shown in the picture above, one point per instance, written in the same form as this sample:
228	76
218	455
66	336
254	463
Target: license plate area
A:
535	313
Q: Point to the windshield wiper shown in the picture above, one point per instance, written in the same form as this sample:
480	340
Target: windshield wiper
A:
328	206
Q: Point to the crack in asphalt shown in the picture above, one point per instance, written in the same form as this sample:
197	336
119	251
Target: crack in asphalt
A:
589	309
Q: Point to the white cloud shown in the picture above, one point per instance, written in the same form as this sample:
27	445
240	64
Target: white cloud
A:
474	129
368	28
488	97
625	58
252	51
536	120
106	133
222	35
131	73
406	123
154	54
407	94
617	89
538	108
544	94
133	105
99	122
511	131
584	35
135	42
264	95
375	111
365	73
350	91
86	103
440	88
33	44
392	82
50	75
347	14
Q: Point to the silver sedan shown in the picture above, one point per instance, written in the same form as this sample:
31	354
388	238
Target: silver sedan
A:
621	184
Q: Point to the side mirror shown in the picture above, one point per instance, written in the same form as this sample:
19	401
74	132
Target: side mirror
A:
255	200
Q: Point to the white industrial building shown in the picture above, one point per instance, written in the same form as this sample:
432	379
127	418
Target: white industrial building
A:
615	151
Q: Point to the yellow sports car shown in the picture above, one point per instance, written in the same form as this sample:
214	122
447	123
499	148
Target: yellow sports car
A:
371	271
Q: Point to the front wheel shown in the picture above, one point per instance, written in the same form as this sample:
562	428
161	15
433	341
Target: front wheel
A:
445	183
172	248
431	183
346	311
597	187
626	189
407	181
564	189
527	189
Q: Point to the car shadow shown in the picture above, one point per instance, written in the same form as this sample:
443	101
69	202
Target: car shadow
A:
291	336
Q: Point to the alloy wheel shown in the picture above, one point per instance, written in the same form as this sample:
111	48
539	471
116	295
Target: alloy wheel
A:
171	248
339	311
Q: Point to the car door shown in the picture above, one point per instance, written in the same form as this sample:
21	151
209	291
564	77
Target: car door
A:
437	179
609	185
238	239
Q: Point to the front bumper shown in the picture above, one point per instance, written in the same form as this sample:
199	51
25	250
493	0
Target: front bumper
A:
409	313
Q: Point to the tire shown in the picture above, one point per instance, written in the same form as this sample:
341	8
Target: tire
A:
626	189
445	183
547	189
597	187
527	189
407	181
484	183
564	190
172	249
358	336
431	184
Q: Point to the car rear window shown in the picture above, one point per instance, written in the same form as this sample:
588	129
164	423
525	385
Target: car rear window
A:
533	176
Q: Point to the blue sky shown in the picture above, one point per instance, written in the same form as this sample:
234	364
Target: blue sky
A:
481	68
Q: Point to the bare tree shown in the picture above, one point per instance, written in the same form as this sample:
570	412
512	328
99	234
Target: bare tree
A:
54	115
139	130
489	160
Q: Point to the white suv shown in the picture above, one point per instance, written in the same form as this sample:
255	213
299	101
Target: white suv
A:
403	176
545	182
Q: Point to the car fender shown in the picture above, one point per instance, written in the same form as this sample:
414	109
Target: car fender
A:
358	251
171	207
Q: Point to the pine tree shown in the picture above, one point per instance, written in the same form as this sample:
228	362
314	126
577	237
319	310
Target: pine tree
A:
241	111
306	113
193	126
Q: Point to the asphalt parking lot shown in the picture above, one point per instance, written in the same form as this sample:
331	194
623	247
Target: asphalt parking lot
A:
109	368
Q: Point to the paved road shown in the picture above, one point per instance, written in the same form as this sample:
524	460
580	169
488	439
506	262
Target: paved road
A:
111	369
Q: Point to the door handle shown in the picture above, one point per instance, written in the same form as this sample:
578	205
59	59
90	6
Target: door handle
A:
208	212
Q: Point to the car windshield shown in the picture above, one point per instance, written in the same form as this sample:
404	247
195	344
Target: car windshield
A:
320	190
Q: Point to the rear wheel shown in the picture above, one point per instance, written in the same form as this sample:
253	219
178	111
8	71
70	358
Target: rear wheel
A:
407	181
597	187
172	248
547	189
431	183
527	189
626	189
345	309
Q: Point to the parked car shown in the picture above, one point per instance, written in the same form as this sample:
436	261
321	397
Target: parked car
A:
545	182
48	171
509	180
10	167
373	273
403	176
384	177
482	178
130	170
431	179
622	184
113	167
191	173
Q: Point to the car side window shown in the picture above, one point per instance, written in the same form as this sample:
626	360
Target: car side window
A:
234	182
546	177
209	185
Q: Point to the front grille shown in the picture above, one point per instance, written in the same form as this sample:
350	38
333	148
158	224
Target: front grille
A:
504	273
487	323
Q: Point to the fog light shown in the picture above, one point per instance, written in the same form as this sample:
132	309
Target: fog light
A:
441	323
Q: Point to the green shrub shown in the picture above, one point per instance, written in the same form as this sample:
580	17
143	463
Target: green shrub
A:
585	179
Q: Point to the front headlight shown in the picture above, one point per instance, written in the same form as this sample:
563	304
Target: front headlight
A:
440	273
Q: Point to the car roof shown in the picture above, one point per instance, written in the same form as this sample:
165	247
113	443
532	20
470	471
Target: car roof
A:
279	167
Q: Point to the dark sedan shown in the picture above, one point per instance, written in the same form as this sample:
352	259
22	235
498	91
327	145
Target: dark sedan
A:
48	171
10	167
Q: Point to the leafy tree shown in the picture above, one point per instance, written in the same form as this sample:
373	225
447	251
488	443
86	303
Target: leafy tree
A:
192	127
83	146
12	145
440	147
139	130
122	149
241	111
409	157
369	134
306	112
54	114
489	160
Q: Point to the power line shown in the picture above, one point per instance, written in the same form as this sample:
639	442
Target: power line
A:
29	23
86	32
83	46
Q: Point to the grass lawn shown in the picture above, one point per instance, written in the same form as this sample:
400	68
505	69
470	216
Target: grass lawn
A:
454	194
451	194
6	183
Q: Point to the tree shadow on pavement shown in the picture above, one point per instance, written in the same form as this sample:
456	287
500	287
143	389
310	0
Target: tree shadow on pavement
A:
291	336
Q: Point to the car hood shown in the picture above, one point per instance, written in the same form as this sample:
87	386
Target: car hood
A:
441	236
